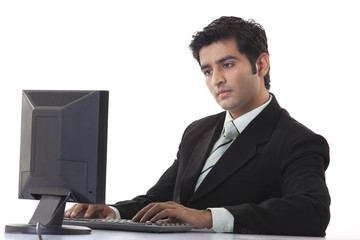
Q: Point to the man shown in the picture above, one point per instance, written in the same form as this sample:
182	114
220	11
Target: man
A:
267	178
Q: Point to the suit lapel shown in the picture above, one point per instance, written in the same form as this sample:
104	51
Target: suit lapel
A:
242	151
198	158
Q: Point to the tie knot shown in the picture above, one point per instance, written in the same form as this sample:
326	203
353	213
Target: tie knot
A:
230	131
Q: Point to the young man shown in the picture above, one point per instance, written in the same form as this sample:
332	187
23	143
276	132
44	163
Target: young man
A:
268	177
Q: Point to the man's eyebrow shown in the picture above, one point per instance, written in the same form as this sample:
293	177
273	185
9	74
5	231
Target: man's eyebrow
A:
202	67
221	60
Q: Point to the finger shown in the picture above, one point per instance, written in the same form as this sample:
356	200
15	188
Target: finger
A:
150	213
68	212
171	215
91	210
77	210
141	213
151	209
156	209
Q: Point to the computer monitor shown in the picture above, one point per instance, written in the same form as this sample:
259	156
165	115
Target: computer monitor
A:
62	155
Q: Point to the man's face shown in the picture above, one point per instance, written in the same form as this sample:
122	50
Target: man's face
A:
229	77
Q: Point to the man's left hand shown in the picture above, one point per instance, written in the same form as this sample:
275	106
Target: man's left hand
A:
173	212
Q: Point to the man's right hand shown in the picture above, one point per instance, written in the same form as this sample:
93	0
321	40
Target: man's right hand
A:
89	211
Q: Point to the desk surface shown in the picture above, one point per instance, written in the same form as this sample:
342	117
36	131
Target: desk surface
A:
193	235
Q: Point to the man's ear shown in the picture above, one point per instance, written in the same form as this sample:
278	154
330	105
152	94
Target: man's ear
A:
263	64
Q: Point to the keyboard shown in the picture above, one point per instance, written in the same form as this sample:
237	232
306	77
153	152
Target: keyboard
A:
128	225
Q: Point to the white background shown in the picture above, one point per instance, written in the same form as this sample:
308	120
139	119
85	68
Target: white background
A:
138	50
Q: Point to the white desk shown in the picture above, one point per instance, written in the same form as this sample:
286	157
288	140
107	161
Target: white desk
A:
112	235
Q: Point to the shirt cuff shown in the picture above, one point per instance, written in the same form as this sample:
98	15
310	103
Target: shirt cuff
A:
223	220
116	211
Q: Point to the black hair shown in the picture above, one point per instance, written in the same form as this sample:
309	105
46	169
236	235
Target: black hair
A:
250	37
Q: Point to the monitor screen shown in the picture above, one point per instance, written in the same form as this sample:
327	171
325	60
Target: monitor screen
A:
62	151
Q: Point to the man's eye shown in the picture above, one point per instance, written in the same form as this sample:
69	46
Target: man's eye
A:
207	72
227	65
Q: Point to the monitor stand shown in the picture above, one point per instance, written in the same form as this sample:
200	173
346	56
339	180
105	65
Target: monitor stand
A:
47	219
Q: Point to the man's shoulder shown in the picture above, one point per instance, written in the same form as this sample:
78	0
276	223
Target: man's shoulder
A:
286	121
283	120
208	121
200	126
211	118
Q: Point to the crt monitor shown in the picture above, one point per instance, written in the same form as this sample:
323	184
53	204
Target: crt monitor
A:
62	155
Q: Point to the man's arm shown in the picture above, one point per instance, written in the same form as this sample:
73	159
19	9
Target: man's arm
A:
303	208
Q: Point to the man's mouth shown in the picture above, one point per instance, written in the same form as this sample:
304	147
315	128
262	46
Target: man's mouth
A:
223	92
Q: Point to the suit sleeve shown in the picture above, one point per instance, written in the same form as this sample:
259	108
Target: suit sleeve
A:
303	208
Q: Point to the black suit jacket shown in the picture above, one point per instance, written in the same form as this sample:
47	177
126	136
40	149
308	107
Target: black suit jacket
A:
271	179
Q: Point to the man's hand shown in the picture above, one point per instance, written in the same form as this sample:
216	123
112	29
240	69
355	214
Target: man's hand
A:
174	212
89	211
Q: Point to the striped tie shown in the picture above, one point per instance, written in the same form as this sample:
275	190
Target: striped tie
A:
227	137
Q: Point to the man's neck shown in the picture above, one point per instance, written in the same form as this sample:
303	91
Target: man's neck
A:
259	102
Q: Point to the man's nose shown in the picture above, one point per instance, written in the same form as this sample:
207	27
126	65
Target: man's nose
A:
217	78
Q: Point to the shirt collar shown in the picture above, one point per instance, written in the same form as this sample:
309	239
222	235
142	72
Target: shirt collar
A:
244	120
